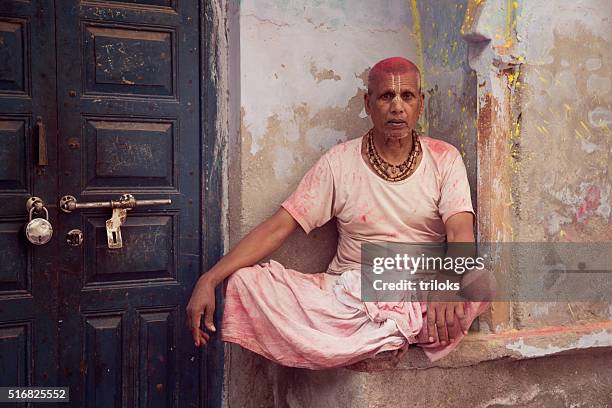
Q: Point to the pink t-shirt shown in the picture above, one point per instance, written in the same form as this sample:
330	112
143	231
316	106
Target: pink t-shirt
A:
370	209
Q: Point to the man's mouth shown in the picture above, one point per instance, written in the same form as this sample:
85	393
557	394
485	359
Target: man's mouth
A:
396	122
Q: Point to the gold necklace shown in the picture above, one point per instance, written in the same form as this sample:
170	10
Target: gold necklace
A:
388	171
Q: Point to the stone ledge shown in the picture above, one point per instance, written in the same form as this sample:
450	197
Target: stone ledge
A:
515	344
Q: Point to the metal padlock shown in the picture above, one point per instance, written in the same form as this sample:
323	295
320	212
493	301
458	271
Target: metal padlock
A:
39	230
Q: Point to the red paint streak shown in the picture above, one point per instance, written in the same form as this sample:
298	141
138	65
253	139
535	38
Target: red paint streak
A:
591	201
364	219
586	328
301	199
437	146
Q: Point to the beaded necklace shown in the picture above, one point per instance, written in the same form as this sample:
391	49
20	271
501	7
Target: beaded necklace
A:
388	171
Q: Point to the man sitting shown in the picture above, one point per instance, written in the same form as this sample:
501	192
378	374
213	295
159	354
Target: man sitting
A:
391	185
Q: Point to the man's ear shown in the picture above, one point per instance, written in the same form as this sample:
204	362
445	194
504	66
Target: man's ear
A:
366	102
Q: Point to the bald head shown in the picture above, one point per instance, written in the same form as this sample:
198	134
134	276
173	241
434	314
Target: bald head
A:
394	66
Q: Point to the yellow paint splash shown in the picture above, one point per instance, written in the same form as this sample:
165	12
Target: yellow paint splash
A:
585	127
578	134
470	16
418	36
543	130
571	311
471	13
511	6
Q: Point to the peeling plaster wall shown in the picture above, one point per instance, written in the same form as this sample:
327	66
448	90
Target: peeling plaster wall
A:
566	118
449	84
564	190
303	74
544	145
303	70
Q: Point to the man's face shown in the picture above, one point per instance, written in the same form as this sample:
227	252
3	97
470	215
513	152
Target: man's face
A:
394	104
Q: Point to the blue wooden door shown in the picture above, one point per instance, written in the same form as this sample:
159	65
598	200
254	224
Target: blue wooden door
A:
128	109
123	115
28	278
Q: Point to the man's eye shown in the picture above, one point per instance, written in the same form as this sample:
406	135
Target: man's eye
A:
407	96
387	96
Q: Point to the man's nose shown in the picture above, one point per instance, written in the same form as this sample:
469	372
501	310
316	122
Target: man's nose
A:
396	105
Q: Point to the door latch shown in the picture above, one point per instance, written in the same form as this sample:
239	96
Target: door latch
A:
120	208
113	228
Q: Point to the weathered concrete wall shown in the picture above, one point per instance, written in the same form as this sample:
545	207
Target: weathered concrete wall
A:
575	380
542	87
302	77
303	69
565	143
449	82
543	136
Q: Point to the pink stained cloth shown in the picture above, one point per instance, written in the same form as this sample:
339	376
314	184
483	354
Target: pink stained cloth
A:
318	321
370	209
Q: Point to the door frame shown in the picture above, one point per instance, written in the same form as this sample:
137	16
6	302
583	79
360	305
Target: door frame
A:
214	124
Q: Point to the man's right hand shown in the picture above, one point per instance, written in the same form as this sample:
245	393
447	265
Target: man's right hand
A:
202	302
259	243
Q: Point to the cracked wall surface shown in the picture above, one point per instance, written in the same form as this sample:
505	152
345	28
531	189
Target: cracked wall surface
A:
303	69
544	137
565	141
543	84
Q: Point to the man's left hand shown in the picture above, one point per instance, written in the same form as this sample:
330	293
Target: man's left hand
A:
441	322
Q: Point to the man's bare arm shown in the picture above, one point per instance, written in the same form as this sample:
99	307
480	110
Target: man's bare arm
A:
440	315
264	239
259	243
460	227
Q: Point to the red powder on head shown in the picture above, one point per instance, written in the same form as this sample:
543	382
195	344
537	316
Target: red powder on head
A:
394	65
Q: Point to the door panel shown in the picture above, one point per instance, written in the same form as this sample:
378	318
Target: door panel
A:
28	280
129	61
14	75
150	256
129	121
130	154
122	116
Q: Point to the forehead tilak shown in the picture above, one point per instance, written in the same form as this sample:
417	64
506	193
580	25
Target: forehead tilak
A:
396	85
396	82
